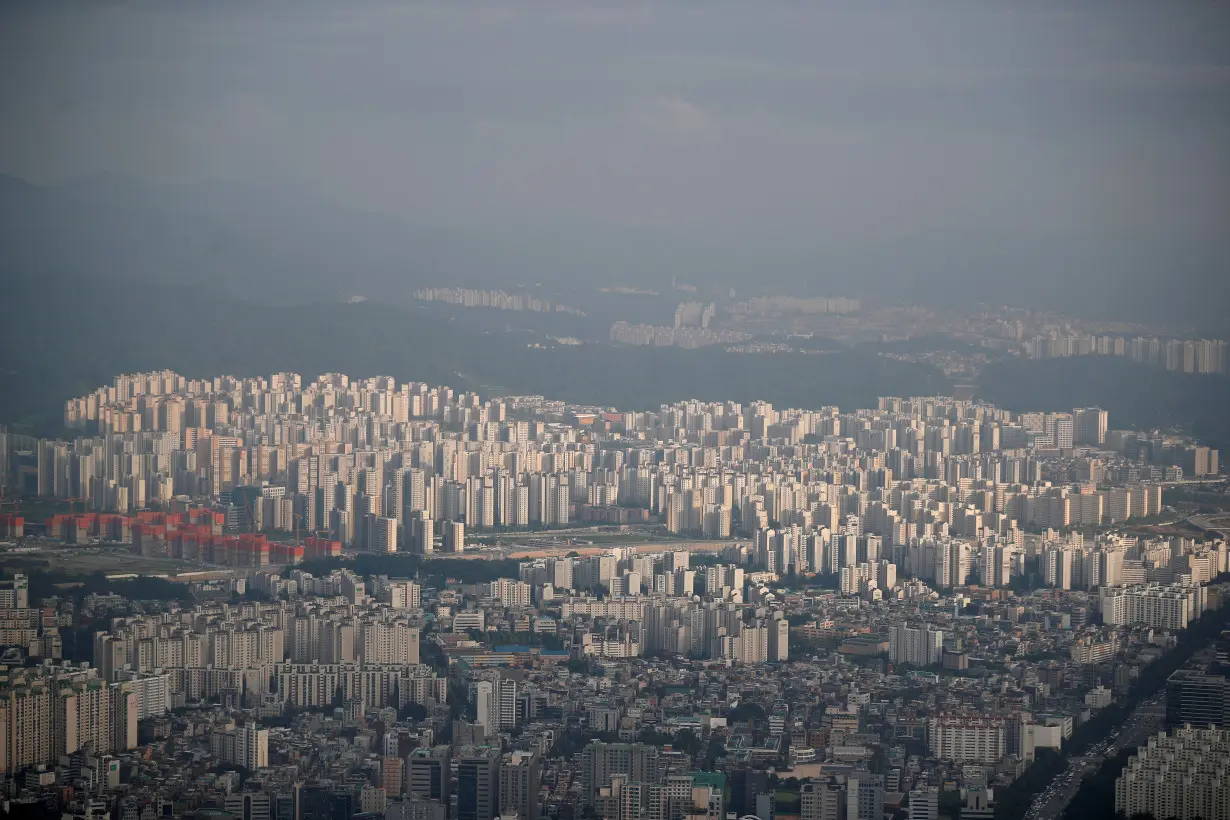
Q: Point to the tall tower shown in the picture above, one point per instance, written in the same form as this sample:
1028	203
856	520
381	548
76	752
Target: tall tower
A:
486	707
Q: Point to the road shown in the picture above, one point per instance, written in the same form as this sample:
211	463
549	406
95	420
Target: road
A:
1148	719
1218	524
520	551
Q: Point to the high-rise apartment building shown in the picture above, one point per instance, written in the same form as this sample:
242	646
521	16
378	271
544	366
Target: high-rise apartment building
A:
1091	424
519	782
404	595
1161	606
454	537
381	534
1185	773
506	703
46	714
917	646
486	706
15	594
246	746
599	760
967	738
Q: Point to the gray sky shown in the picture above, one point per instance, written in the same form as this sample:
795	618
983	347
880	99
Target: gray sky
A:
779	122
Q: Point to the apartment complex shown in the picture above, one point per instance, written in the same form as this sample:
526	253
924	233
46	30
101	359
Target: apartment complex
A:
1161	606
1184	773
50	711
974	738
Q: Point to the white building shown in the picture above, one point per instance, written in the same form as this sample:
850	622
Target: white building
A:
1185	773
252	747
152	691
1161	606
967	738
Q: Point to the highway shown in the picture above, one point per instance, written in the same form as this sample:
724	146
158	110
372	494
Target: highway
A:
1148	719
539	546
1218	524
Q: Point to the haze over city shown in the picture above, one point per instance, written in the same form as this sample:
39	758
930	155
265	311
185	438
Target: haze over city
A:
614	411
1031	154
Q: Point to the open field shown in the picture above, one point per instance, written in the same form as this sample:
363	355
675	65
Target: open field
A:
49	556
518	551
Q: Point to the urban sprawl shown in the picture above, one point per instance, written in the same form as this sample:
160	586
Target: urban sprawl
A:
708	611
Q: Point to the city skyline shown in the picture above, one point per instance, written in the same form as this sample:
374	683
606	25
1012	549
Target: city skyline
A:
943	547
654	410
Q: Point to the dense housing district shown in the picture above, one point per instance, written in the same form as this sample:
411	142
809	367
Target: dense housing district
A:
399	600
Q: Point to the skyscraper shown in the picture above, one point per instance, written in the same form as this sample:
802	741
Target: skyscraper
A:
506	703
381	534
454	536
1090	425
486	706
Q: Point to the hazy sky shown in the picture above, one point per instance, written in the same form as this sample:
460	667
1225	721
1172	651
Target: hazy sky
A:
779	121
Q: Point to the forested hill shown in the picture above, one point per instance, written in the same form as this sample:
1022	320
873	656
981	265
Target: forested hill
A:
1136	395
61	336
